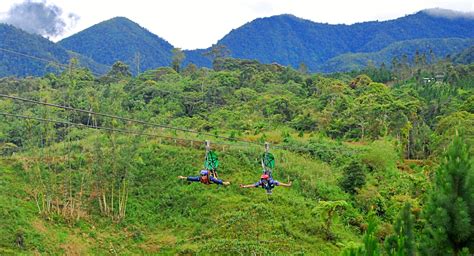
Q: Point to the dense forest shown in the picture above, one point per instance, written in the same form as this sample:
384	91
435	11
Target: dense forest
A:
17	48
380	160
283	39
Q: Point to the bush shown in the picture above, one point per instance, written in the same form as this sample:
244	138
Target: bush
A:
380	156
354	177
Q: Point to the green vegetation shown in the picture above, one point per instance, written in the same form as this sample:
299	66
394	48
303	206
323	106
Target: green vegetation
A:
366	154
290	40
426	37
121	39
16	45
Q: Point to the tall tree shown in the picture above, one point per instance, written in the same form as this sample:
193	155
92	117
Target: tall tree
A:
402	242
450	209
177	59
217	53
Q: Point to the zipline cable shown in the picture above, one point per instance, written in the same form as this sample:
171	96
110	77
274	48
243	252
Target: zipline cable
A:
65	66
34	57
129	119
123	118
112	129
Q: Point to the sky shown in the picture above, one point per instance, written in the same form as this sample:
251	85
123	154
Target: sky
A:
192	24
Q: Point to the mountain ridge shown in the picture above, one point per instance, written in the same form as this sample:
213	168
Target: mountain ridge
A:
285	39
120	39
25	54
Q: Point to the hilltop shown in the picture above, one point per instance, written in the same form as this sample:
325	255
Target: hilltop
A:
120	39
283	39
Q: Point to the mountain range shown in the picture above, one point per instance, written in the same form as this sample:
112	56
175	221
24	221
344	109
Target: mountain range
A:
284	39
24	54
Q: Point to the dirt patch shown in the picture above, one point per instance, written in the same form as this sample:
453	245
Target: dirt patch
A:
155	243
150	247
355	143
75	246
72	248
38	225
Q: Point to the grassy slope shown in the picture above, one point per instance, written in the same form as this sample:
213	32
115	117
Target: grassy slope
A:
170	216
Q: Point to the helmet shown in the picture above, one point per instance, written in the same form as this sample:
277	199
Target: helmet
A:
264	176
204	172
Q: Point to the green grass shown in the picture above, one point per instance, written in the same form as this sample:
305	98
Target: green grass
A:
170	216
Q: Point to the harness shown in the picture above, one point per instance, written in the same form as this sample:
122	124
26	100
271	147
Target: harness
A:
211	161
266	184
205	179
268	161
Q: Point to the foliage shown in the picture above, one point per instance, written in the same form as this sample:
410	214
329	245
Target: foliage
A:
116	191
449	211
283	39
18	43
403	241
370	246
380	156
353	177
120	39
326	210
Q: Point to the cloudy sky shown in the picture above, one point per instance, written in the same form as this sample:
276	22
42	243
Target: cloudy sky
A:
191	24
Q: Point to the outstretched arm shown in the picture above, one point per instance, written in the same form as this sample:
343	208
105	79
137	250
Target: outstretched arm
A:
190	178
250	185
284	184
218	181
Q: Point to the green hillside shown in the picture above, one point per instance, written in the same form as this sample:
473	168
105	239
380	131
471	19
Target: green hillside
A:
283	39
290	40
466	56
120	39
427	50
23	54
367	161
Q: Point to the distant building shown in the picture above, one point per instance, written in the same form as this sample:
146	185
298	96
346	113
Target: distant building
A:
427	80
438	78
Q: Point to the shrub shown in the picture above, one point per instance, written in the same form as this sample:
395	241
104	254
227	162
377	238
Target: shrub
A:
354	177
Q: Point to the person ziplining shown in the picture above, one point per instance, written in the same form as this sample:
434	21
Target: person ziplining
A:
266	179
267	183
209	174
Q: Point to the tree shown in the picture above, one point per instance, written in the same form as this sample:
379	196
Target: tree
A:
326	210
354	177
217	52
450	124
402	242
371	244
177	59
449	212
119	71
303	68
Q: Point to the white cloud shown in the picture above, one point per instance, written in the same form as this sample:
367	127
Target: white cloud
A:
191	24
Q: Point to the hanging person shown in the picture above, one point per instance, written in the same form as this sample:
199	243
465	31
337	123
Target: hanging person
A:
267	183
209	174
205	178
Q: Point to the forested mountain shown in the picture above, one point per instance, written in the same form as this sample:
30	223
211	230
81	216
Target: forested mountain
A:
289	40
283	39
423	50
24	54
120	39
466	56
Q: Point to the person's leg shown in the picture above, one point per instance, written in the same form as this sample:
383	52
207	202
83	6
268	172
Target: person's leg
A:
217	181
193	178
